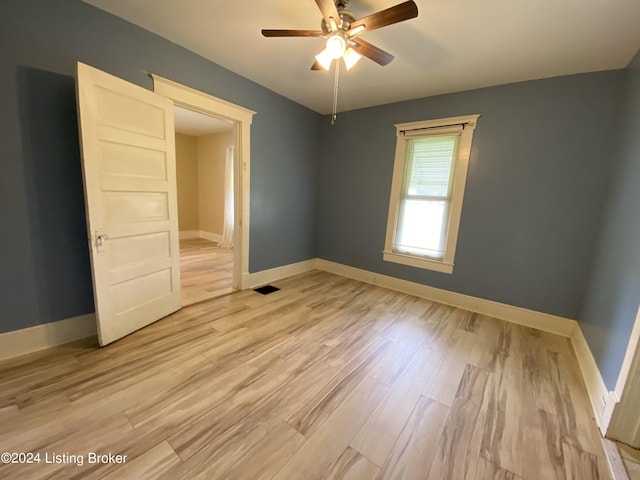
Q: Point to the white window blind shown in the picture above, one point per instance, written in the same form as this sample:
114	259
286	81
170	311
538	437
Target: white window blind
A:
426	195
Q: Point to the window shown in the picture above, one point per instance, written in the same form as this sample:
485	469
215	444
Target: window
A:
429	176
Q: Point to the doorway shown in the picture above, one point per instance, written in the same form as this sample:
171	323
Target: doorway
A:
241	117
204	173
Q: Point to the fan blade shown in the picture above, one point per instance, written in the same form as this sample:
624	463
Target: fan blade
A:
371	51
292	33
399	13
329	10
316	66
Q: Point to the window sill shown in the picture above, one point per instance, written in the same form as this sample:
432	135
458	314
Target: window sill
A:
425	263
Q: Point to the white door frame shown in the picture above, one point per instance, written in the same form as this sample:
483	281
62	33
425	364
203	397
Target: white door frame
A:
625	422
208	104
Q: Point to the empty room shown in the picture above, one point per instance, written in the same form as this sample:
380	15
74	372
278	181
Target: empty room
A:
318	239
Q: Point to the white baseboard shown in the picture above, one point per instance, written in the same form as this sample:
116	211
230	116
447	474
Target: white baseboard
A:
252	280
28	340
213	237
187	234
602	400
32	339
522	316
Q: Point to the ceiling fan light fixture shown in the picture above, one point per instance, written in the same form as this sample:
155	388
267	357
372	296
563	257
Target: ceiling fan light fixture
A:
340	27
324	59
351	57
336	46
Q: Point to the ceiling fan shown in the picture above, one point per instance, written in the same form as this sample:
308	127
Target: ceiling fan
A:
342	32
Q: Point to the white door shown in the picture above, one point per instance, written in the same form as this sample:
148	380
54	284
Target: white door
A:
128	160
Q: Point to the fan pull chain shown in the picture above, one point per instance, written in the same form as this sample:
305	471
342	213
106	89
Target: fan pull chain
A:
335	93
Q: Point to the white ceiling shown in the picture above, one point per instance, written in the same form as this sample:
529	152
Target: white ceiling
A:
197	124
453	45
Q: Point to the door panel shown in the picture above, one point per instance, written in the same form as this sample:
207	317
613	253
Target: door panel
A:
128	151
134	207
141	248
133	162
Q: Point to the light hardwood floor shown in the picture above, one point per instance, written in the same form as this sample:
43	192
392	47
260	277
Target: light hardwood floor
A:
631	459
206	270
329	378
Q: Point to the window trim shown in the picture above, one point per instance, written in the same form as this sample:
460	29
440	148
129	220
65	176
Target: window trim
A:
440	126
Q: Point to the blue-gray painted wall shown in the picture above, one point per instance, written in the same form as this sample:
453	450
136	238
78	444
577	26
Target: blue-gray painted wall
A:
539	174
45	273
551	185
613	296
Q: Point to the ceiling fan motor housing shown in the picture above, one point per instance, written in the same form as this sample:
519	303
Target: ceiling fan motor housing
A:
347	18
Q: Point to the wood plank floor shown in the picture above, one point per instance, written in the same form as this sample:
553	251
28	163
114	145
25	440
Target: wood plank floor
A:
206	270
631	458
327	378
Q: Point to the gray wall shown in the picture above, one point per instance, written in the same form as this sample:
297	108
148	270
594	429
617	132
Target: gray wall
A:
613	297
538	179
45	274
545	154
